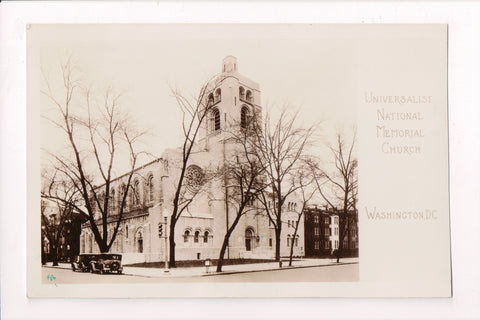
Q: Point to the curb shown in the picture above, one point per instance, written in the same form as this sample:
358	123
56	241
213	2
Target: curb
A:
276	269
240	271
57	267
214	273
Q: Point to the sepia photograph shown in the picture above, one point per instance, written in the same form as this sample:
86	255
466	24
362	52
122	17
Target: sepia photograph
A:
196	155
164	159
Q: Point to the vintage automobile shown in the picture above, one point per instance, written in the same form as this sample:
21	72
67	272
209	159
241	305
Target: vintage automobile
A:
106	262
82	262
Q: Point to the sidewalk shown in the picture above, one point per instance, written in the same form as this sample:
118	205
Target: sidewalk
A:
239	268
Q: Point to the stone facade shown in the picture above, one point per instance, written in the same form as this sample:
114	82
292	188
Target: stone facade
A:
200	231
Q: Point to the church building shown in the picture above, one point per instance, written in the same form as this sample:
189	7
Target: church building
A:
201	228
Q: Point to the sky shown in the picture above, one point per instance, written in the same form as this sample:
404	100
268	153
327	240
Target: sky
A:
307	68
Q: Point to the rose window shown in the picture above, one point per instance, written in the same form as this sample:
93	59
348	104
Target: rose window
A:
194	178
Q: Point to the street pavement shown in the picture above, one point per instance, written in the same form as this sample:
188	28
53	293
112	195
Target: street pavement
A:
330	273
66	275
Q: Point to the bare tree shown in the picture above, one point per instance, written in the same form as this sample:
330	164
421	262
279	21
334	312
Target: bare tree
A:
344	188
242	178
54	213
305	180
97	134
194	114
281	145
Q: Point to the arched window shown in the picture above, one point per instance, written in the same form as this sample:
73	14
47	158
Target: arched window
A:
90	244
150	188
82	244
139	242
205	237
123	189
249	236
244	117
210	99
214	120
186	235
249	96
113	200
136	193
241	93
218	95
196	236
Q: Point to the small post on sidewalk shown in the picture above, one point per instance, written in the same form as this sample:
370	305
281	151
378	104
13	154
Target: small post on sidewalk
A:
166	246
208	263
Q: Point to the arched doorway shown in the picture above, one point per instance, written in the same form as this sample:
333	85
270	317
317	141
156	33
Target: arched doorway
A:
249	237
139	242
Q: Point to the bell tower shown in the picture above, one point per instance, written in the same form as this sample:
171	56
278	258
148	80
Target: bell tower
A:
231	98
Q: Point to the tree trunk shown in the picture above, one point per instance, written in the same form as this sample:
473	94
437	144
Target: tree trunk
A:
171	242
222	253
278	231
53	250
291	252
293	243
225	243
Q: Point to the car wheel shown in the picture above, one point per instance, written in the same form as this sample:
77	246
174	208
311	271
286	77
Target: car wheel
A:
119	272
102	271
74	269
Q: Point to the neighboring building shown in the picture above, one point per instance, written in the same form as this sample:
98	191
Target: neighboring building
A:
322	232
200	230
69	233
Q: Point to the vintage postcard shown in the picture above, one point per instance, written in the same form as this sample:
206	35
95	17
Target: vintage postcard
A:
242	160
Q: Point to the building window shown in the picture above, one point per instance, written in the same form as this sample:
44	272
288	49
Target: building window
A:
215	120
336	220
336	231
315	219
241	93
317	231
140	242
113	200
296	241
270	242
288	241
249	199
317	244
90	244
196	236
186	234
136	193
244	117
120	196
150	189
249	96
205	237
218	95
289	223
327	230
210	100
249	235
